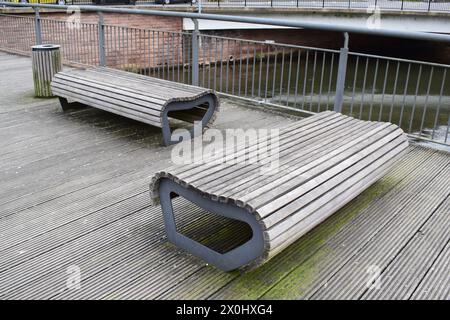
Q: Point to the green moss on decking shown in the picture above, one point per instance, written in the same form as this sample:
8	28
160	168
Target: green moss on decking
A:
254	284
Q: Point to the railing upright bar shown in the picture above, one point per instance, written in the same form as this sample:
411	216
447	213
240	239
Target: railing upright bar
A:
101	40
37	26
194	61
340	81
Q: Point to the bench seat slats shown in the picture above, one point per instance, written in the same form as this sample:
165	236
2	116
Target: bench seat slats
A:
247	180
137	97
117	91
148	88
299	225
304	127
160	82
288	150
111	107
325	161
107	98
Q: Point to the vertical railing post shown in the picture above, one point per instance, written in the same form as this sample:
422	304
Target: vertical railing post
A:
402	6
323	3
194	61
429	5
37	26
101	40
340	80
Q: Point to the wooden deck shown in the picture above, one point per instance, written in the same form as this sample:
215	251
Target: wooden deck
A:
74	192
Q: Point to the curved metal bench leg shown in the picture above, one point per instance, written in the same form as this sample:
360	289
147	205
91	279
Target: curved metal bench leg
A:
230	260
177	106
66	105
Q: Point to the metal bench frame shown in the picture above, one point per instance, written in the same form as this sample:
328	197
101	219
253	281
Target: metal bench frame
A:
230	260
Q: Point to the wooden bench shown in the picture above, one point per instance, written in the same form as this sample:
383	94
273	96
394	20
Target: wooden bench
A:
138	97
325	161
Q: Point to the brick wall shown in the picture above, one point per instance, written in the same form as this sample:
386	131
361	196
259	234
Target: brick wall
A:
126	46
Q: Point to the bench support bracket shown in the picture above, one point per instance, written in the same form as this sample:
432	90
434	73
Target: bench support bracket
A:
230	260
185	105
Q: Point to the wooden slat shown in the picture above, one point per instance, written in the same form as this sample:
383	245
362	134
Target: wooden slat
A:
134	96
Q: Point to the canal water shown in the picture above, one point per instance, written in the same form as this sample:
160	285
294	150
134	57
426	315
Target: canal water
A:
415	96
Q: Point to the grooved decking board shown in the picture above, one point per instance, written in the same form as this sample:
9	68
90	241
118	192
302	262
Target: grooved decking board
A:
315	273
80	197
400	279
436	283
256	283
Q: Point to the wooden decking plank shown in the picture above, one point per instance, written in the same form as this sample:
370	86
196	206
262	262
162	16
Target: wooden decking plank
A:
61	173
320	267
62	132
406	271
80	151
24	274
156	255
352	277
292	261
436	283
104	164
85	175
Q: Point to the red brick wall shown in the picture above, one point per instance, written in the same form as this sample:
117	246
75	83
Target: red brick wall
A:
128	48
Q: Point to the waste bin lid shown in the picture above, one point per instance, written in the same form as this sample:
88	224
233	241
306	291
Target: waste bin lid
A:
45	47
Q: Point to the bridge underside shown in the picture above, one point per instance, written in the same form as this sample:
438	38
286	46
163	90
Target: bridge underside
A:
367	18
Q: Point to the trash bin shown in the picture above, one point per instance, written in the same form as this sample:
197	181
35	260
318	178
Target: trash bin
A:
46	63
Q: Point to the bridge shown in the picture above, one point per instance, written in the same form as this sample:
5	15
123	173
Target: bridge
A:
424	15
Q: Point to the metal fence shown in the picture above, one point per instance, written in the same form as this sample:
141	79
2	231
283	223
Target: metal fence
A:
395	5
413	94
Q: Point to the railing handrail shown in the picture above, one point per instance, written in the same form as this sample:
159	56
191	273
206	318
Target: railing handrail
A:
415	35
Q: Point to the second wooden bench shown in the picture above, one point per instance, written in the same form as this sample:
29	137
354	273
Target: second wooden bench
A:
145	99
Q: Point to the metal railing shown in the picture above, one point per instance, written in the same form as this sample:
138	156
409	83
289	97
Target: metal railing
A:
391	5
413	94
394	5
